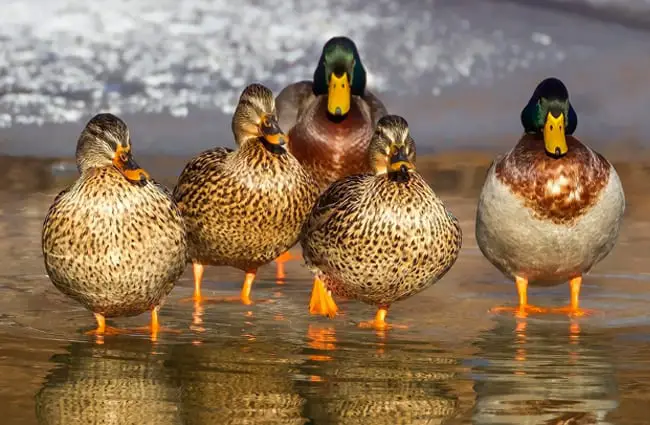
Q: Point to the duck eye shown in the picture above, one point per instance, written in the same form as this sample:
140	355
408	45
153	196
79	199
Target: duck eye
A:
124	157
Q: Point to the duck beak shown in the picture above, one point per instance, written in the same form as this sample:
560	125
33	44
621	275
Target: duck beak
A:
339	95
399	162
554	137
271	131
124	162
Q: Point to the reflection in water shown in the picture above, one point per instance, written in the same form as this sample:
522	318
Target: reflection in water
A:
543	373
119	383
239	381
376	382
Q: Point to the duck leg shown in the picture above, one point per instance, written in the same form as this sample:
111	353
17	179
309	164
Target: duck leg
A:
154	327
573	309
523	308
198	298
102	329
245	294
197	271
321	300
379	323
280	272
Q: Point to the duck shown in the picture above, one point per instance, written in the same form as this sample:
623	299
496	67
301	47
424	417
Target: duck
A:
552	207
379	237
244	207
115	240
331	119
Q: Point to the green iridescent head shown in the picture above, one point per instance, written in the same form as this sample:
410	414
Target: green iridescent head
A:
549	113
339	75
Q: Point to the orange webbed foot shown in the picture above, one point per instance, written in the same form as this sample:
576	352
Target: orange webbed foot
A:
321	302
379	323
107	331
572	311
520	310
523	309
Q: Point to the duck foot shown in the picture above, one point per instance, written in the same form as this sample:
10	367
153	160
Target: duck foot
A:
321	302
572	311
379	324
153	329
520	310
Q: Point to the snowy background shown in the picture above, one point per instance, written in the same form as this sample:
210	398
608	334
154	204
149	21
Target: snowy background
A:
174	69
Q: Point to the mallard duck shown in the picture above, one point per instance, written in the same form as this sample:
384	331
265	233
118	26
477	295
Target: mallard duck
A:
239	380
551	208
114	241
124	382
379	237
244	207
330	120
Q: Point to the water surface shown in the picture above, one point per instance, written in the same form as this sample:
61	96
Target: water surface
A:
270	363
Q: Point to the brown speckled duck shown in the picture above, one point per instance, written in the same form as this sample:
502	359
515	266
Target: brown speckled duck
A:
124	382
330	120
383	236
114	241
245	207
551	208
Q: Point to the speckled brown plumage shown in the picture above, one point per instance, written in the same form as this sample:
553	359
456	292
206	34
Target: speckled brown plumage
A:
381	237
239	382
243	208
115	246
124	382
396	387
560	190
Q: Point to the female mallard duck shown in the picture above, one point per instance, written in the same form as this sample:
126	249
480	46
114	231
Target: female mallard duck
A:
379	237
551	208
331	119
243	208
114	241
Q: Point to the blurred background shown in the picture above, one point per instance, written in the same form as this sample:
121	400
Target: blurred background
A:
459	71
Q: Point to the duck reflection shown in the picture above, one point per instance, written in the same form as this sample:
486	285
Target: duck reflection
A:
376	381
118	383
543	373
242	381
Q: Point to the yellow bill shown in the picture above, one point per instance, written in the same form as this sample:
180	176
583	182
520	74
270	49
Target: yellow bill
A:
400	162
554	137
271	131
125	164
339	95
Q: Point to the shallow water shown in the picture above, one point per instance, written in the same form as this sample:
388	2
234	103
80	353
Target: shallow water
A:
271	363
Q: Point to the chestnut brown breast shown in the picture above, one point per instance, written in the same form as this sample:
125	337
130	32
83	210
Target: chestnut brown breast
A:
331	150
557	189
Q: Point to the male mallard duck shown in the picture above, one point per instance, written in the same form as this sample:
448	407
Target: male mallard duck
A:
379	237
245	207
331	119
114	241
551	208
